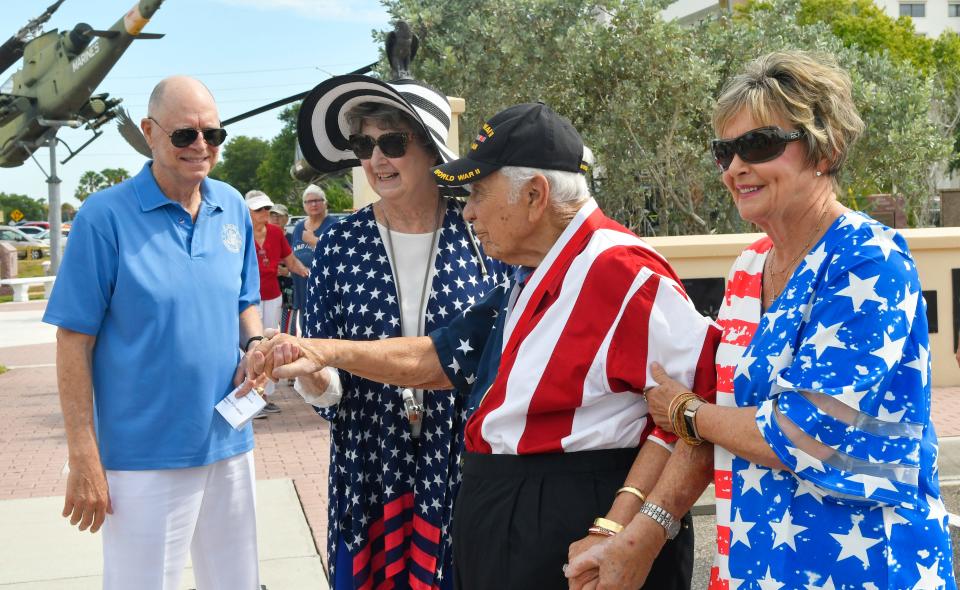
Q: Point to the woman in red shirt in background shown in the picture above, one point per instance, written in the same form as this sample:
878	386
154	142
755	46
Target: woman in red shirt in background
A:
272	249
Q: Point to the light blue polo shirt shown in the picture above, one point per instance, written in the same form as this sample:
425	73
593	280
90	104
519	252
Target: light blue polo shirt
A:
163	295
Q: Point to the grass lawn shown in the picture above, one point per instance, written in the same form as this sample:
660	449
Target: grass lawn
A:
27	269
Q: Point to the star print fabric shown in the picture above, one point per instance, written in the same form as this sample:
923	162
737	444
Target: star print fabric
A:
391	497
838	368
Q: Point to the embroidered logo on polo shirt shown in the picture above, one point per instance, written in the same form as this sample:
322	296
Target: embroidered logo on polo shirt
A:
231	237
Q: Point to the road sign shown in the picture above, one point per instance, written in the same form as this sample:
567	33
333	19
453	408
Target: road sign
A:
16	215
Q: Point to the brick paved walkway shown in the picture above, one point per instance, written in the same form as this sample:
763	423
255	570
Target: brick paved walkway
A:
293	444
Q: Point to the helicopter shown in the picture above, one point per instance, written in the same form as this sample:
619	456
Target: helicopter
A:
60	72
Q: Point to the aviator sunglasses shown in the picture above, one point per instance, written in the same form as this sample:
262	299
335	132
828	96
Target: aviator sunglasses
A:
183	137
754	146
393	144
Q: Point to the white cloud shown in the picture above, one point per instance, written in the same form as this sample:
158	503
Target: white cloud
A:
367	11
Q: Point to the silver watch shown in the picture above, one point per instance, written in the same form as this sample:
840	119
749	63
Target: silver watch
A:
670	524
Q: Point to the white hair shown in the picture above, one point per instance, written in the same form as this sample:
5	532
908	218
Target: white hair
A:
314	190
566	188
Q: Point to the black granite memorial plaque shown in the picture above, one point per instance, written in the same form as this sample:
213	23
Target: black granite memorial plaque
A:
931	298
706	294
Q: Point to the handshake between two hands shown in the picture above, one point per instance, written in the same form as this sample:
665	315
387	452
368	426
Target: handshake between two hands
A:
277	356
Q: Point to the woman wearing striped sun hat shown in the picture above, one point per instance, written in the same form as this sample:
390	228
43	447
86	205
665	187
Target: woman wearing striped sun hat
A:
403	266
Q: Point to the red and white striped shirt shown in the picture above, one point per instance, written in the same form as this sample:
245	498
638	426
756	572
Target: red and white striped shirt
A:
738	318
578	342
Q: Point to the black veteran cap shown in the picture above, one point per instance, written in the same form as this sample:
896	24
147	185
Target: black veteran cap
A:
530	135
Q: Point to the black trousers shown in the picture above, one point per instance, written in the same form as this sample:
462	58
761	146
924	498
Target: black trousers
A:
516	516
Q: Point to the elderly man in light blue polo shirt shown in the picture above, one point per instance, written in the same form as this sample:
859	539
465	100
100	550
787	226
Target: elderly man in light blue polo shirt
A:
155	299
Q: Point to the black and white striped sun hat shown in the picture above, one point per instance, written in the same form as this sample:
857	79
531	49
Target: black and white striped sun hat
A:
322	129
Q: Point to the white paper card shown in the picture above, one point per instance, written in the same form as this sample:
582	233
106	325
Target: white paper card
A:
239	411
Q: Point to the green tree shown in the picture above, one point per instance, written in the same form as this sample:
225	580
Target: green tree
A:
339	191
241	157
92	181
32	209
899	99
862	24
616	69
273	173
67	212
640	90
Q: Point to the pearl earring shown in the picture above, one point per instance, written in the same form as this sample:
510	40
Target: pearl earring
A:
819	173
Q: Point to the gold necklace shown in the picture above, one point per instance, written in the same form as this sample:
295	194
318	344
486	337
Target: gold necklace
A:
774	274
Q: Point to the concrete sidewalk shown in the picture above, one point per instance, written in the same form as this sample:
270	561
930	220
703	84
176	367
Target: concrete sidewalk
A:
49	554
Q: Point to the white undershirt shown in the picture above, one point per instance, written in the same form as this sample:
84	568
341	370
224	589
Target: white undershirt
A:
413	252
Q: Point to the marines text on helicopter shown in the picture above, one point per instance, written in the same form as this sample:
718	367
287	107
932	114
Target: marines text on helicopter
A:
60	72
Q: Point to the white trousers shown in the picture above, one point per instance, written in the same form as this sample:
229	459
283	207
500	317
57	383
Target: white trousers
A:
270	315
158	515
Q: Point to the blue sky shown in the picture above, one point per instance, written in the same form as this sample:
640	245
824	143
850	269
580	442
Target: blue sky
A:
249	52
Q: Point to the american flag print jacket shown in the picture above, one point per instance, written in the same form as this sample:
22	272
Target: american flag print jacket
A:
838	371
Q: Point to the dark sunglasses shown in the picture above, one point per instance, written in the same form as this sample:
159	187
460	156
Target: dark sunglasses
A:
754	146
393	144
183	137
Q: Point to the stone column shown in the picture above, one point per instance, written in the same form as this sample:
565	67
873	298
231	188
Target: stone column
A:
8	265
950	208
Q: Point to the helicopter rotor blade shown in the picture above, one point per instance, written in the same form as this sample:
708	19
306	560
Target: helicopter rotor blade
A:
12	48
288	100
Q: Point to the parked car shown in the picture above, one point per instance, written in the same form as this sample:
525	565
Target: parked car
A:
26	246
43	224
44	236
33	231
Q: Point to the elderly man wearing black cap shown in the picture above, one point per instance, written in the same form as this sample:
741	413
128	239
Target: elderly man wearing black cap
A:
559	442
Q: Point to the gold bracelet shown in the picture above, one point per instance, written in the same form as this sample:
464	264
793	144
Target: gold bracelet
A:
675	412
632	490
672	406
606	523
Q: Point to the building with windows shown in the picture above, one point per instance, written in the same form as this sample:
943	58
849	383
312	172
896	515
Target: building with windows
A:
930	17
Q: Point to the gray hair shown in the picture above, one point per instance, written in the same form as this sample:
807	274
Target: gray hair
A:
566	188
313	189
